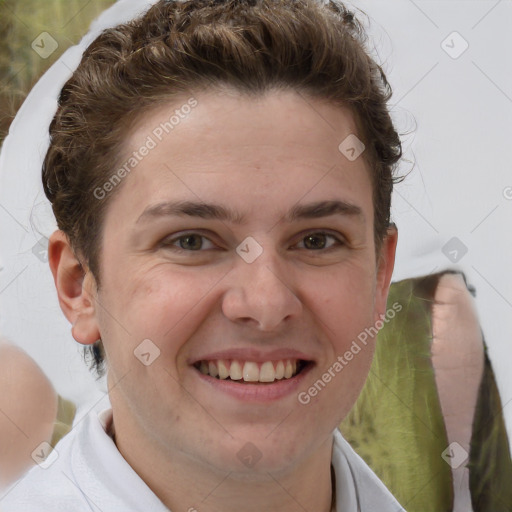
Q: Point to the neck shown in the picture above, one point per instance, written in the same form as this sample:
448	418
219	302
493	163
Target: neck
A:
185	484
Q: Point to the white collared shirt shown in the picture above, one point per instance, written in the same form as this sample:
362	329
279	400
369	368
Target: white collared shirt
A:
90	475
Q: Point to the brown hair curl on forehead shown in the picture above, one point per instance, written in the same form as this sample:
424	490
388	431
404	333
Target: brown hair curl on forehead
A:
252	46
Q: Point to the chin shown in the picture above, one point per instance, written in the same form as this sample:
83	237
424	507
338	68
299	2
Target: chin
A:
264	449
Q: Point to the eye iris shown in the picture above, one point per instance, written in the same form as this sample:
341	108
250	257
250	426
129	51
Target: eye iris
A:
187	242
315	241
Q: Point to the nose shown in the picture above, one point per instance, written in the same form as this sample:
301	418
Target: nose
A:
259	294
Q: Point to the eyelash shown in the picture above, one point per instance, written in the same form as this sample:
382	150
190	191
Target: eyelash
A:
169	243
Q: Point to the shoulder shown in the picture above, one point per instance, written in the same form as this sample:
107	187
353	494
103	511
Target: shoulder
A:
86	473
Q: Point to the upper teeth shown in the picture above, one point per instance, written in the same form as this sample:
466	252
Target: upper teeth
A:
249	371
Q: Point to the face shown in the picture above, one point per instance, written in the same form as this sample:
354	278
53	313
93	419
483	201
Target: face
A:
241	243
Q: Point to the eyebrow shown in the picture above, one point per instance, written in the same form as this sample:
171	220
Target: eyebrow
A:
203	210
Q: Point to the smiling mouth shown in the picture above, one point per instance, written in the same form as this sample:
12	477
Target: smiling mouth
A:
251	372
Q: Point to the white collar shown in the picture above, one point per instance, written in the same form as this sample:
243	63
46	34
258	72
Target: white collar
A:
346	493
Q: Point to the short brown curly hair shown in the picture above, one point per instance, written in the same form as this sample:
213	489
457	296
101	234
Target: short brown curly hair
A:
312	47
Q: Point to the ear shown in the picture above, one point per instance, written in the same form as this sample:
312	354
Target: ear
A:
76	289
385	265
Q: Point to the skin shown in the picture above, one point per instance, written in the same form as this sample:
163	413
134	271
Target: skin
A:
458	359
179	434
28	407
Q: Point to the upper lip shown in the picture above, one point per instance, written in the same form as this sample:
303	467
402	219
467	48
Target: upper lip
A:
247	354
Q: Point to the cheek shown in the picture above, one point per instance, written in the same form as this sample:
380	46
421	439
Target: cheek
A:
159	303
344	301
343	306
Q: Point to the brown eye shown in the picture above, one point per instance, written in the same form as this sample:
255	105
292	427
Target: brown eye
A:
315	241
319	240
191	242
188	242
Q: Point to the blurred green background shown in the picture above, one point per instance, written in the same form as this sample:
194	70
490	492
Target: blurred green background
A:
23	24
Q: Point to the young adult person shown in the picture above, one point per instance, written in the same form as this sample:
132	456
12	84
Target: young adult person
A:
221	175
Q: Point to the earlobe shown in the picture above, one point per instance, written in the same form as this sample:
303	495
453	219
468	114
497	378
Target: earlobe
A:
74	288
386	265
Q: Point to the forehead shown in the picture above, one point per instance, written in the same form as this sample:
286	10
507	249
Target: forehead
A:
273	149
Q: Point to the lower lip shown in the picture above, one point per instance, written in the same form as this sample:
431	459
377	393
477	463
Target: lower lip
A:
257	392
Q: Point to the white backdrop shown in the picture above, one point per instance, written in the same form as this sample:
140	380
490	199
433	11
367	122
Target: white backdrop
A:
450	68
